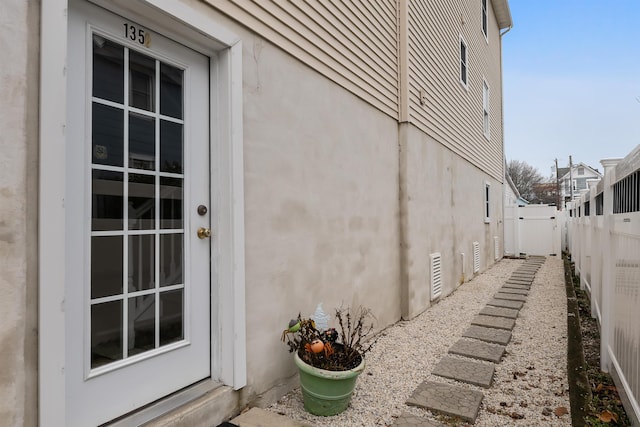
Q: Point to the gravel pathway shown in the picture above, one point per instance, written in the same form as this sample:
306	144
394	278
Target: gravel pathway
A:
530	384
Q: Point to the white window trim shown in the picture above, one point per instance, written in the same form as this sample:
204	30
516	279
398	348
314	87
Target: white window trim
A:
484	17
487	202
207	36
486	109
465	84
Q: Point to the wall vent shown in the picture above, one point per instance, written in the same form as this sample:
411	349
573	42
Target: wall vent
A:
496	247
436	275
476	257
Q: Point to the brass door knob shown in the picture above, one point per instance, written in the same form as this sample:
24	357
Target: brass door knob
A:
204	233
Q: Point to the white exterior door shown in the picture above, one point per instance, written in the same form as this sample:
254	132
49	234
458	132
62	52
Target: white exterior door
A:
138	281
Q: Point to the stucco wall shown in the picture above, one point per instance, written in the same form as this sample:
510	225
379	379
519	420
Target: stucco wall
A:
442	210
321	211
323	181
18	208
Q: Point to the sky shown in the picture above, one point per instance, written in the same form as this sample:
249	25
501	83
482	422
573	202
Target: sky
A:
571	81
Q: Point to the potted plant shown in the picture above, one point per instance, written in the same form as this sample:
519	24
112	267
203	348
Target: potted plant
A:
329	360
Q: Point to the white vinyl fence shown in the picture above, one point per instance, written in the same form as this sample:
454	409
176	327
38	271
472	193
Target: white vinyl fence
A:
531	230
604	242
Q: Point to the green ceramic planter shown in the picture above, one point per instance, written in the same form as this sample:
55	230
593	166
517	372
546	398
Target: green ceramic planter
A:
326	392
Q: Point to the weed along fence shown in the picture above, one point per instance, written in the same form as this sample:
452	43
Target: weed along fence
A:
604	241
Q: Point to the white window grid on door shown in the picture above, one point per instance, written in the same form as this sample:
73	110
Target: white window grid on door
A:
157	231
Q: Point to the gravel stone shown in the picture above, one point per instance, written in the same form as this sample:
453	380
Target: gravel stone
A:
532	375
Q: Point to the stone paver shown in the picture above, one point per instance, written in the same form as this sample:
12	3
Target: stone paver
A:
512	297
498	336
526	285
478	350
447	399
499	312
506	303
468	371
256	417
504	290
409	420
524	276
520	281
494	322
515	286
521	277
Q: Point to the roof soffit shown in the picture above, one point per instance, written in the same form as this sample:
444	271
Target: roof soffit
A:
503	13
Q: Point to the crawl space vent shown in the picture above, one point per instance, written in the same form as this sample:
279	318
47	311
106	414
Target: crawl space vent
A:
436	275
476	257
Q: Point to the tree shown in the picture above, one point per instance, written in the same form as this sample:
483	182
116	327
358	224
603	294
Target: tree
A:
525	177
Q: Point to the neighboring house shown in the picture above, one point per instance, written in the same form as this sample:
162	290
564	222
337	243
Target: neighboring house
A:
512	196
180	178
575	180
546	193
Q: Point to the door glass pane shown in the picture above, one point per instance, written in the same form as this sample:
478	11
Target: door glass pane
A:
137	241
108	70
142	324
170	203
106	266
142	78
171	272
107	204
171	317
106	333
142	142
107	135
170	91
141	262
142	202
170	147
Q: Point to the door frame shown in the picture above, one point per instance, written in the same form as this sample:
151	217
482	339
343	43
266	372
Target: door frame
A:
193	26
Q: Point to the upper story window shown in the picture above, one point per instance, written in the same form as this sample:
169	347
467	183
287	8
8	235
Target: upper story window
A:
485	19
487	202
463	63
580	170
485	108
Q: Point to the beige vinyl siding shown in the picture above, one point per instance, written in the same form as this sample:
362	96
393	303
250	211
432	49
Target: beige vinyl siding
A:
352	43
452	114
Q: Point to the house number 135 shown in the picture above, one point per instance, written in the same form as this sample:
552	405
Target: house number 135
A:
137	34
